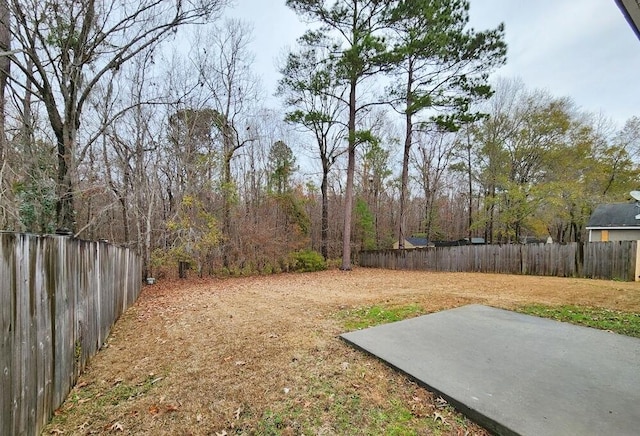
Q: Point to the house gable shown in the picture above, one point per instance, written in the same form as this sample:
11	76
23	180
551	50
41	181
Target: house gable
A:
615	216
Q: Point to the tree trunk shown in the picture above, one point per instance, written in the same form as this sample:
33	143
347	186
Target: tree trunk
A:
405	157
324	231
65	212
428	218
5	66
470	186
226	208
351	167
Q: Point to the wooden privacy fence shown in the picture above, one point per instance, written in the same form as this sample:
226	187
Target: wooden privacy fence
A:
602	260
59	298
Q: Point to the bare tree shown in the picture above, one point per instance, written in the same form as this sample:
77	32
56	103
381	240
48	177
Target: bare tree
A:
432	159
5	65
223	63
5	69
73	45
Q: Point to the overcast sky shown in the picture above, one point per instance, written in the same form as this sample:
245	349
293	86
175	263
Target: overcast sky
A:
583	49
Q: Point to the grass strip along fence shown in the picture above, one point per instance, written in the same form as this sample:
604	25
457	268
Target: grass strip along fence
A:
616	260
59	298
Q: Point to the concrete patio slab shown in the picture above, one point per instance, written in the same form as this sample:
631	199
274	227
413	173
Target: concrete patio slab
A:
517	374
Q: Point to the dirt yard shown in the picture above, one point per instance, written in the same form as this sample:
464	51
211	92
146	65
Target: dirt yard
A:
261	355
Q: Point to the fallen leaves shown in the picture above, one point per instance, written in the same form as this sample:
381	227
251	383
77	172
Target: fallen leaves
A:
116	426
441	403
437	416
155	410
171	408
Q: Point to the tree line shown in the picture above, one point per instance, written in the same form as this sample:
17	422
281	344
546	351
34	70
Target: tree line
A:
145	124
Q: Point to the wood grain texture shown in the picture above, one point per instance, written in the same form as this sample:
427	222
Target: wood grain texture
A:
59	299
599	260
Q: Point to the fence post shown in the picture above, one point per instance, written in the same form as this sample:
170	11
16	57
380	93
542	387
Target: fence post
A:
636	277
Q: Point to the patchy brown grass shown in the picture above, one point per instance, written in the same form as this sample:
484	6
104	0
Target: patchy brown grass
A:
260	355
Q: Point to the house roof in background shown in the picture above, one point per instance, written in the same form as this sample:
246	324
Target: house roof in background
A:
631	11
615	215
418	242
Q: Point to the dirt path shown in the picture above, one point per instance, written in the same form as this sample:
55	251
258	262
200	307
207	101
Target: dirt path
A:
261	355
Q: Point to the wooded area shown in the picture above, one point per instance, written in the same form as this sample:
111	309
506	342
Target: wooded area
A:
596	260
58	301
146	125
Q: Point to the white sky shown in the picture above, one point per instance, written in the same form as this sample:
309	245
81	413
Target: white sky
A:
583	49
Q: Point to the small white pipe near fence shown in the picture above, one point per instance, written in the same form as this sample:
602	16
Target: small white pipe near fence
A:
59	298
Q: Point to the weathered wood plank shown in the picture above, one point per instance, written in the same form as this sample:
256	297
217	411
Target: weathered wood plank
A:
55	312
601	260
7	329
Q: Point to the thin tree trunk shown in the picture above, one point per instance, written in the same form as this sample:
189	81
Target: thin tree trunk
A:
470	186
351	166
5	66
405	158
324	232
226	206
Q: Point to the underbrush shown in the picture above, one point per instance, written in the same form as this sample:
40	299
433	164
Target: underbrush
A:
165	265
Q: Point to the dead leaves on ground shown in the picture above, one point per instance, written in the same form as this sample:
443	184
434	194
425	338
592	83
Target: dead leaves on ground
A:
116	426
155	410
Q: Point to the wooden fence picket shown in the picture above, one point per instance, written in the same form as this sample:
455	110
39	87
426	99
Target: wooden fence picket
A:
59	297
600	260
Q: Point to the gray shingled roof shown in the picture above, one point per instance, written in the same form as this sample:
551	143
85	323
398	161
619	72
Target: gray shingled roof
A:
418	242
615	215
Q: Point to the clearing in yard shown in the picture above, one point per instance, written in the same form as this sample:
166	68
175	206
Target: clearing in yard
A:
262	355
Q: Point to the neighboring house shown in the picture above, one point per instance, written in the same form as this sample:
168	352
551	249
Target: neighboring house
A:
413	242
614	222
476	241
459	242
631	11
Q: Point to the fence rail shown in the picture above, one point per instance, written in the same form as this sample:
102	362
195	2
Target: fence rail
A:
602	260
59	298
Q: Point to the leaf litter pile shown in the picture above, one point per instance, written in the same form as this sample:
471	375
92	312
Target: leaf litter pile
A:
261	355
